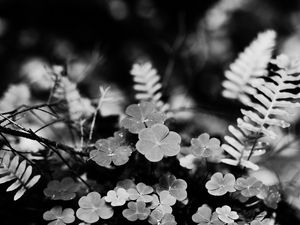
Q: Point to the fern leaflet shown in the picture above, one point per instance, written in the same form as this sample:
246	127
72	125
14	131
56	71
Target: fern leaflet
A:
20	172
272	101
147	85
250	64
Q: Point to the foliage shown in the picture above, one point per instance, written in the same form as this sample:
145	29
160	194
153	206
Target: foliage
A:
226	215
176	187
147	84
141	193
64	190
13	169
250	64
205	147
157	141
93	207
117	197
249	187
146	163
204	216
59	216
110	151
140	116
136	211
219	185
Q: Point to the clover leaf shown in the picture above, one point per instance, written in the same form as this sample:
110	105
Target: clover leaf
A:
226	215
64	190
108	151
270	195
92	207
204	216
219	185
176	187
140	116
141	193
136	211
157	141
59	216
163	202
249	187
204	147
117	197
158	218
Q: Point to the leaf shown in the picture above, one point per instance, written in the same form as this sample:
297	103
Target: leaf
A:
136	211
20	172
64	190
93	207
219	185
250	64
204	216
166	200
147	85
249	187
157	141
176	187
141	116
117	197
270	195
226	215
204	147
141	193
59	216
110	151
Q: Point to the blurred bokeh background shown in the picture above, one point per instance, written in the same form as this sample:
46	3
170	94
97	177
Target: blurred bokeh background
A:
189	42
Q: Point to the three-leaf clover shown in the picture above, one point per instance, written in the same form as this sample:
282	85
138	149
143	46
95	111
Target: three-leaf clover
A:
141	193
270	195
205	147
59	216
108	151
219	185
140	116
117	197
249	187
163	202
204	216
64	190
92	207
226	215
157	141
136	211
176	187
157	217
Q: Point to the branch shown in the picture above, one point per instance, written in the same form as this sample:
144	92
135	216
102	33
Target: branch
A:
31	135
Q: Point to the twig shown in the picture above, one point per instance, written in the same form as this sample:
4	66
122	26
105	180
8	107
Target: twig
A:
103	92
31	135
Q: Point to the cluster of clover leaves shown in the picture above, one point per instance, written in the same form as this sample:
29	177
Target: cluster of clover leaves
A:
154	203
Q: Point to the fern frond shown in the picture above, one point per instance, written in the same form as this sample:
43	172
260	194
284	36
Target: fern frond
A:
273	101
147	85
78	106
20	172
250	64
240	145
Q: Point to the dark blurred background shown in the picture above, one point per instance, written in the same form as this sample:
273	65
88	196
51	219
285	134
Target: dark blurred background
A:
190	42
